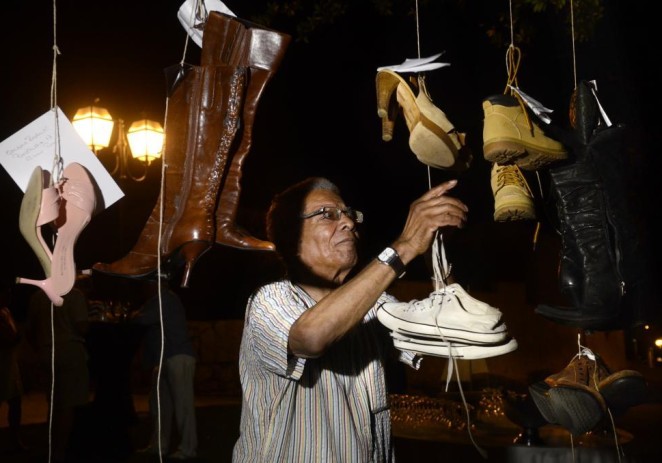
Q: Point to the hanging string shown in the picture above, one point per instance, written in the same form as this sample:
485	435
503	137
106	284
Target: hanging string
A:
199	8
574	56
512	29
418	47
56	174
56	170
418	31
513	59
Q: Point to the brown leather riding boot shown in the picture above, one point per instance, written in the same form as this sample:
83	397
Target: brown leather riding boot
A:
233	41
191	231
201	124
141	261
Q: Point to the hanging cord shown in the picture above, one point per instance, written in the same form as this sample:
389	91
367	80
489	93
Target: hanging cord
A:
574	56
418	32
198	13
56	174
56	170
442	271
513	60
52	393
594	384
420	77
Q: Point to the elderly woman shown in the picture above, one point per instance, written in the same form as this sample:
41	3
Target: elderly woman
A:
312	353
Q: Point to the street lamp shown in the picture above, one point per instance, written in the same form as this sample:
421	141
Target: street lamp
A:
144	140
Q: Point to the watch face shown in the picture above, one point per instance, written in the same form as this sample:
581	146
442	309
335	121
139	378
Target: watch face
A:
386	255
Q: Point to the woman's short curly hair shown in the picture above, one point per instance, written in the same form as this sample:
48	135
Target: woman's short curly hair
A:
284	222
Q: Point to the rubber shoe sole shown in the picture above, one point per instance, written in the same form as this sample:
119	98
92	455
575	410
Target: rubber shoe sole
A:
447	350
508	137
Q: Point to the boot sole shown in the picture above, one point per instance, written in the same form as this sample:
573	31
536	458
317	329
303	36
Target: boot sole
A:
514	211
526	156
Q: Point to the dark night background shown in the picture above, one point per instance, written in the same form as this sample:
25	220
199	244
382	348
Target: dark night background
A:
318	117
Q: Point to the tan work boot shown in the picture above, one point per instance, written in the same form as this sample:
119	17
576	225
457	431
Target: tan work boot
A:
513	199
510	136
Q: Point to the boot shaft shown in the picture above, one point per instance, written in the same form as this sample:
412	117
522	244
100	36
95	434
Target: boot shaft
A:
229	40
588	273
205	146
234	41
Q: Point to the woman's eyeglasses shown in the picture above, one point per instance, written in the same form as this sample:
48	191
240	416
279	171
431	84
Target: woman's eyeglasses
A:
334	213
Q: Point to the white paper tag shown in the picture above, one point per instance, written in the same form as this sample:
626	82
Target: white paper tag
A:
416	64
537	107
34	145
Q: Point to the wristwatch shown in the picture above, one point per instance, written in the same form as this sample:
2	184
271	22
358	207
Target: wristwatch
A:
390	257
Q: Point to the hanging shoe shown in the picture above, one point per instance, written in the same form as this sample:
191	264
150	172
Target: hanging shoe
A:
432	137
442	316
572	399
513	199
510	136
237	42
202	120
623	389
40	206
77	204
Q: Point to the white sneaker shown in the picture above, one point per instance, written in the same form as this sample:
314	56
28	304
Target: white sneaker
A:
455	350
473	306
445	315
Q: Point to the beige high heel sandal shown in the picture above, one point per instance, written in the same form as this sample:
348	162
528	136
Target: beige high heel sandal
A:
432	137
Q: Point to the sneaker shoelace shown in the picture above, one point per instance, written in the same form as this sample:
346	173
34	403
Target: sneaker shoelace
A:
441	270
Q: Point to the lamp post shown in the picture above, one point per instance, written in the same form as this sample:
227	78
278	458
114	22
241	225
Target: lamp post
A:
143	141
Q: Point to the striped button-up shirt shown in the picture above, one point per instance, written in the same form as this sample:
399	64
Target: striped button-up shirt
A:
333	409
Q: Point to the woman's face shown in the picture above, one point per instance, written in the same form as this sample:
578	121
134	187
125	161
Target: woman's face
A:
327	247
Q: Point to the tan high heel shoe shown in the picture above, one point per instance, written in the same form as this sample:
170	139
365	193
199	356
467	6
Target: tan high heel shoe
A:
432	137
40	206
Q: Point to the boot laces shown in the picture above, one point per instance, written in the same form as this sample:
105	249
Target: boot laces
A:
511	174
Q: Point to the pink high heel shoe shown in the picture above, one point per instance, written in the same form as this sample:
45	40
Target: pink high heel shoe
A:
77	205
79	200
39	207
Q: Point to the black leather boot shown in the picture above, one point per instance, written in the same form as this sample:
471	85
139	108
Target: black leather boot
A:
601	267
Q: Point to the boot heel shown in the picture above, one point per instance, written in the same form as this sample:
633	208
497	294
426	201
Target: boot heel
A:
189	253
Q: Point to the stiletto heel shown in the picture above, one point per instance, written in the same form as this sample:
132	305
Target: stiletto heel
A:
46	286
79	202
189	253
39	206
432	137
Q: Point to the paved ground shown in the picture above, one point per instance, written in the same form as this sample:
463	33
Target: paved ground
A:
100	439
